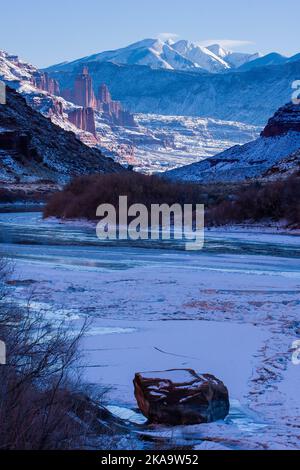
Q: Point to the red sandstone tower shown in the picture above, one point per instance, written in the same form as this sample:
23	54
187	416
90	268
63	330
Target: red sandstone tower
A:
104	95
83	95
44	82
83	118
83	90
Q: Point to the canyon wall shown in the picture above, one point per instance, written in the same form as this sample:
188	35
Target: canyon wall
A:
83	118
83	95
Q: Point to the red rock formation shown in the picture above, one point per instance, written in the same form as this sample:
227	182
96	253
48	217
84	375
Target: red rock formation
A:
43	81
126	119
56	108
104	95
113	110
83	95
286	119
51	105
83	118
181	397
83	90
35	149
67	94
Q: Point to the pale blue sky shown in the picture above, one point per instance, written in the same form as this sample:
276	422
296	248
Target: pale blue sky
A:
45	33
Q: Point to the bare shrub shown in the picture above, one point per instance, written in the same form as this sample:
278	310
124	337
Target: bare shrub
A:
277	200
43	404
83	195
224	204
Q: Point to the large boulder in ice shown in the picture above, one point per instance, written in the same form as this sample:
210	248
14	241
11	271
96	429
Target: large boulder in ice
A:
181	397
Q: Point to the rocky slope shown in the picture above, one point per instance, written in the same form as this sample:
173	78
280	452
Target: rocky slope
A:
74	108
286	119
272	153
284	168
32	148
74	111
43	94
250	97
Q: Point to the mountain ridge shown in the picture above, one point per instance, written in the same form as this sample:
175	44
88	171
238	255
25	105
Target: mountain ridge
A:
169	55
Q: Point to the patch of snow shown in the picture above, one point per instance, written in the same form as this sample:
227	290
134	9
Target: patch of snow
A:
207	445
240	163
161	143
231	310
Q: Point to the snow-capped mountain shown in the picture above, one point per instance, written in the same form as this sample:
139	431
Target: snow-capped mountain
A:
269	59
233	59
273	152
201	57
157	54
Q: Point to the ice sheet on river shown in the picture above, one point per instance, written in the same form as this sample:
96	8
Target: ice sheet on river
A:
232	310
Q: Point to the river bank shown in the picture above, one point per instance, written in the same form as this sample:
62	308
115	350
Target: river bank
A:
232	310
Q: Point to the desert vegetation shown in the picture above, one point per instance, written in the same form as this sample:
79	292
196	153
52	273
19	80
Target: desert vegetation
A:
279	200
43	403
83	195
225	204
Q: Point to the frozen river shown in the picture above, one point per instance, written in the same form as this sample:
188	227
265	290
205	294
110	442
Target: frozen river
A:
231	310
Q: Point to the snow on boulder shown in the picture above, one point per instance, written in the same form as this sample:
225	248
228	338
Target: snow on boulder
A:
181	397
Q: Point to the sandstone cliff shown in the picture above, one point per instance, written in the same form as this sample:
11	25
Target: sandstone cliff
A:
34	149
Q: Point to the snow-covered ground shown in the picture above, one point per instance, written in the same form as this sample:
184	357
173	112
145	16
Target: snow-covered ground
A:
237	164
162	143
231	310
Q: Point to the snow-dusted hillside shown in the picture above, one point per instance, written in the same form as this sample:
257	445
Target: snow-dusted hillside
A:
161	143
270	59
158	54
19	75
284	168
270	153
33	149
